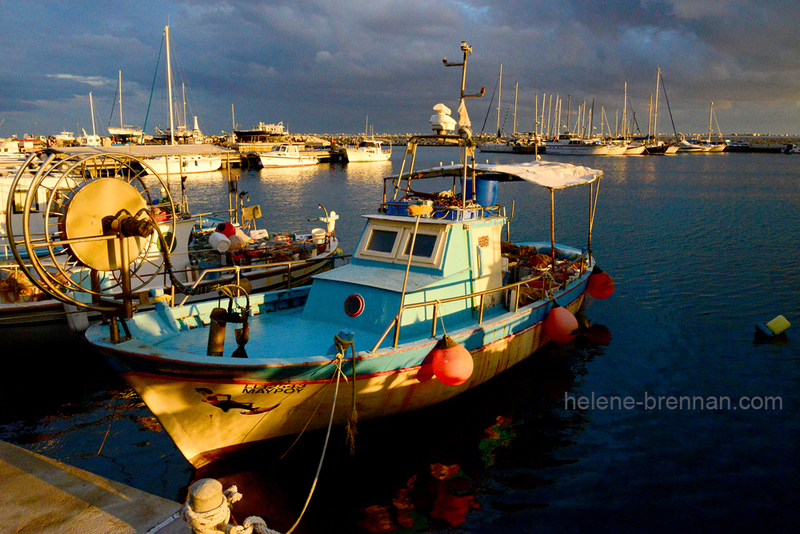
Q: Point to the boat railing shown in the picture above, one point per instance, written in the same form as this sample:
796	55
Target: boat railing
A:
238	271
442	211
547	276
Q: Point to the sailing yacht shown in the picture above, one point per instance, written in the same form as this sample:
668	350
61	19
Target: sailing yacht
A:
122	132
201	161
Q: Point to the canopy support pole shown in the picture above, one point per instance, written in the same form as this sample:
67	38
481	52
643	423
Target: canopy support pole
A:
553	228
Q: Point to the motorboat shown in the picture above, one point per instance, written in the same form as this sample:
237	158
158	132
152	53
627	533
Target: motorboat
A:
685	145
183	164
368	150
287	155
568	144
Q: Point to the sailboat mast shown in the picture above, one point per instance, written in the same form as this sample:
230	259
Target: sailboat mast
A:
183	95
516	91
625	114
120	99
655	114
91	108
169	90
710	118
499	93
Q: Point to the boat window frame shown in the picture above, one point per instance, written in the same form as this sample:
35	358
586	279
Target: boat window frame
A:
435	259
363	249
402	241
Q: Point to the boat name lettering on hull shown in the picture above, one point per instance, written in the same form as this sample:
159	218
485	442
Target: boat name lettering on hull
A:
274	388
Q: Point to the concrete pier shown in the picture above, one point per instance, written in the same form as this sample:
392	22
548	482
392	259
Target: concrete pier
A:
44	496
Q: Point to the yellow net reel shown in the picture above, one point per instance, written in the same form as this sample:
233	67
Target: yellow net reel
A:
83	230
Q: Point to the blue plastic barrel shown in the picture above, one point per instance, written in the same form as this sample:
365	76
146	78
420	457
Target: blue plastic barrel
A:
485	192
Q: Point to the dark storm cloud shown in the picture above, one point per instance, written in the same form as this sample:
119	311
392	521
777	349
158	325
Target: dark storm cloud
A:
323	66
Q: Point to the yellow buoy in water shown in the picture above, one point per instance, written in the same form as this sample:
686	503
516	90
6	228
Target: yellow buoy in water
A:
775	327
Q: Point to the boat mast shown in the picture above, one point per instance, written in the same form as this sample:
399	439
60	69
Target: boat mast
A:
183	94
710	118
499	93
91	108
655	114
463	120
516	91
120	99
625	115
169	90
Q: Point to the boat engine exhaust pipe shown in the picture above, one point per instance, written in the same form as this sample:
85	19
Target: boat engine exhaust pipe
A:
216	332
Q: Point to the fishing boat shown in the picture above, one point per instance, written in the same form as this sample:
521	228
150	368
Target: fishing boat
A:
434	303
207	250
286	155
368	150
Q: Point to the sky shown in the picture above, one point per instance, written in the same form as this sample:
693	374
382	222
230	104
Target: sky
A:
349	67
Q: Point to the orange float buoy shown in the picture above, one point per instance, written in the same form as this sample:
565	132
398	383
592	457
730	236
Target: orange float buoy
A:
600	284
452	363
560	325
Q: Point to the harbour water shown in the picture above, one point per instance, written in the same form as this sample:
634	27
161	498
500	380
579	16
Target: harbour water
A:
672	416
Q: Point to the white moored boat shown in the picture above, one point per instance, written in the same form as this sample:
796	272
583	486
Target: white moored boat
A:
368	150
286	155
571	145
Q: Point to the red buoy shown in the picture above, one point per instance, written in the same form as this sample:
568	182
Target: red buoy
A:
600	284
560	325
452	363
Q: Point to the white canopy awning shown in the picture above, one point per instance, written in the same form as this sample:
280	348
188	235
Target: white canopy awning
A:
550	174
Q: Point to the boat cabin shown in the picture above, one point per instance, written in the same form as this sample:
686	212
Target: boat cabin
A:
455	252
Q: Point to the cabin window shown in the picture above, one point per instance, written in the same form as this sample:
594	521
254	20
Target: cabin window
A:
424	245
427	247
382	241
393	243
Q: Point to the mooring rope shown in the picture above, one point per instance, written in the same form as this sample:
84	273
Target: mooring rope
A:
108	430
339	373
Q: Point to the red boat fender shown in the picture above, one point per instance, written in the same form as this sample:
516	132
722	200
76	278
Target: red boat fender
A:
560	325
452	363
600	284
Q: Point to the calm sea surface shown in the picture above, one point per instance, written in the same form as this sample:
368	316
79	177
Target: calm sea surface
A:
672	417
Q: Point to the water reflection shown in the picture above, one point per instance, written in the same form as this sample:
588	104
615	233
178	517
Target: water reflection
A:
432	469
